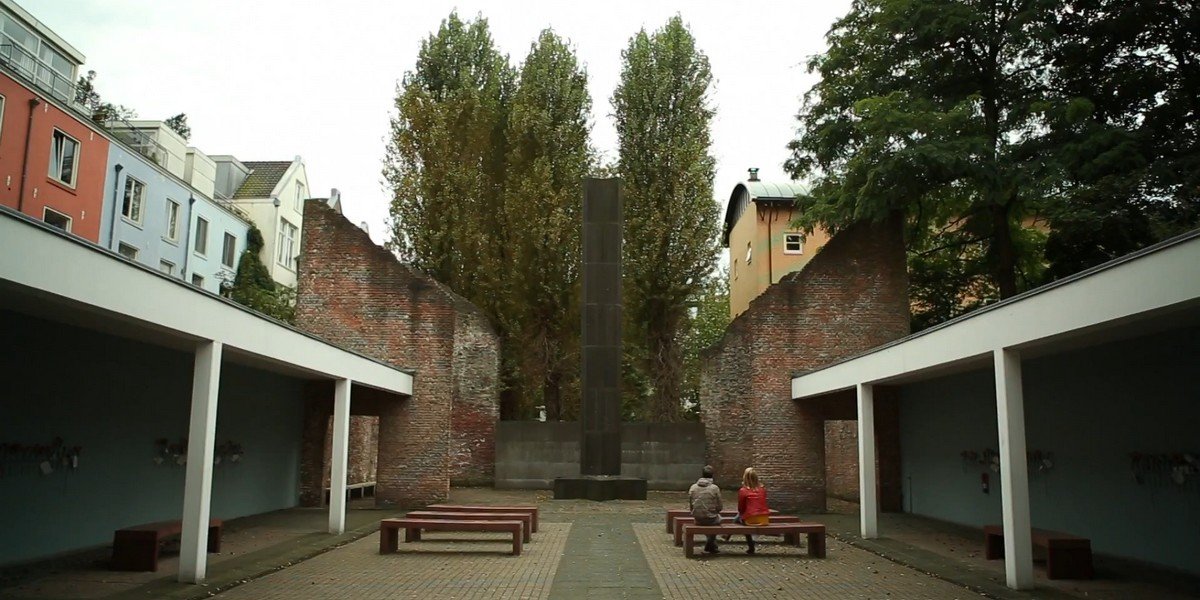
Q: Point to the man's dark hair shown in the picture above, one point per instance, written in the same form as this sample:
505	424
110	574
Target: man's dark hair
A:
707	472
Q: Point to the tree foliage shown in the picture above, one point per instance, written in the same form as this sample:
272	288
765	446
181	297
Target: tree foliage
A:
253	286
179	124
663	116
708	317
984	119
548	158
101	111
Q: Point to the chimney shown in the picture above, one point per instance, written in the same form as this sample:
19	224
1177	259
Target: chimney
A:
753	173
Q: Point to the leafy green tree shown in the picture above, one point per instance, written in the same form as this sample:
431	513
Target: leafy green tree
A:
936	108
179	124
101	111
254	288
708	317
548	158
663	116
445	164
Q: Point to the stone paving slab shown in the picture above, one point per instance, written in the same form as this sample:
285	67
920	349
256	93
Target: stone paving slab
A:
441	565
782	571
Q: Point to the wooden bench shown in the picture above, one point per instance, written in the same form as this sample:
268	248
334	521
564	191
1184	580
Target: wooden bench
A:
532	510
136	548
815	532
680	522
389	530
525	518
1067	556
675	513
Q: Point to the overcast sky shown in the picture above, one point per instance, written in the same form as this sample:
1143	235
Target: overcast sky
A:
272	79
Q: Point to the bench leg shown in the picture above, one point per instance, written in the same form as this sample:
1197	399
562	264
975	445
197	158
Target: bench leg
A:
678	536
214	538
389	539
816	544
670	523
525	529
535	519
134	551
412	534
517	543
1069	563
993	546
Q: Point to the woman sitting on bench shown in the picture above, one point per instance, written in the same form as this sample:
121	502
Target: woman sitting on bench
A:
752	505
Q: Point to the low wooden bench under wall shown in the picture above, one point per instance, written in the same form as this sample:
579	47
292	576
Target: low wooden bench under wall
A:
532	510
524	518
136	548
389	531
814	531
680	522
1067	556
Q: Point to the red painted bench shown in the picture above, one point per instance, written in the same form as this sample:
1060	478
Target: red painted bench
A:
814	531
525	518
136	548
675	513
681	522
389	531
1067	556
532	510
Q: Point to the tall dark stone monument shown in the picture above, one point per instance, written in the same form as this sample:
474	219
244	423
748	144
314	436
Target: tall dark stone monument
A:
600	443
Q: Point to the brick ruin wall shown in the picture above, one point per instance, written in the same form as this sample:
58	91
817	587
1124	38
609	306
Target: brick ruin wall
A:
852	296
358	296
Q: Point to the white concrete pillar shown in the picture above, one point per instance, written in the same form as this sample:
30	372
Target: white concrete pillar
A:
339	458
197	487
1014	472
868	507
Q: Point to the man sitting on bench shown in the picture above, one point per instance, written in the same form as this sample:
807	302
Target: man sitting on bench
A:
704	500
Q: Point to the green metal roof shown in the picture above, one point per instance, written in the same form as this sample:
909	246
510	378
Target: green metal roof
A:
758	191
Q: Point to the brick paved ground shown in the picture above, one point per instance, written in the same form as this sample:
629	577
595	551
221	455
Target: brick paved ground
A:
441	565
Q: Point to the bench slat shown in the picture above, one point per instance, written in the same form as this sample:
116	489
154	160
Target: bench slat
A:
814	531
526	519
1068	556
389	530
533	510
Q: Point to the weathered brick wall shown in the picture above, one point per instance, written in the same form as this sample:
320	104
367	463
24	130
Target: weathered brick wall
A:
852	296
357	295
363	452
476	390
841	460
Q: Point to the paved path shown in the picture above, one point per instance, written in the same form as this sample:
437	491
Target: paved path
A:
604	559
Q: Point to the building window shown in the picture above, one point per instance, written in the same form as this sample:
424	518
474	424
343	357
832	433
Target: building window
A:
228	249
166	266
286	255
793	243
299	197
57	219
749	253
3	104
197	280
127	251
131	205
172	220
64	158
201	245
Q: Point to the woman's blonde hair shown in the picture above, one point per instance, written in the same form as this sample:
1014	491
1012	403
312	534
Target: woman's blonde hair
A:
750	479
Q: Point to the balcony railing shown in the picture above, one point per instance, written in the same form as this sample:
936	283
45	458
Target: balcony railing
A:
39	73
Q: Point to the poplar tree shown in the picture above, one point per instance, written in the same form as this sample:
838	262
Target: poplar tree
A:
663	116
445	160
548	158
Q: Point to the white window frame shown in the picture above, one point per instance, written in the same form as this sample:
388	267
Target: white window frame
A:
799	240
56	174
300	197
170	267
123	245
285	255
200	243
46	210
229	249
140	204
172	222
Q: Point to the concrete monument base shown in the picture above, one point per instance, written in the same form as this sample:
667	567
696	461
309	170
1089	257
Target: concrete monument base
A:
599	488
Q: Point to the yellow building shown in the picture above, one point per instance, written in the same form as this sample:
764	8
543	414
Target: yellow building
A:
763	245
